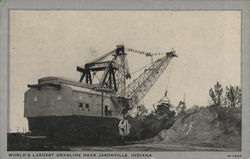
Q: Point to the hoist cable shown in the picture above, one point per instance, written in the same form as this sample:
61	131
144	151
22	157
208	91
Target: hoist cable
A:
169	77
143	67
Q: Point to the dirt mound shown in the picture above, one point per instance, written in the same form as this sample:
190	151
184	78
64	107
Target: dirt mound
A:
205	126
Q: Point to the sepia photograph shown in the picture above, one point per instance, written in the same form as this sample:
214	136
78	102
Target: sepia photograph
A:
125	81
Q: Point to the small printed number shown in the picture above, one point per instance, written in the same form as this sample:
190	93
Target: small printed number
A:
234	156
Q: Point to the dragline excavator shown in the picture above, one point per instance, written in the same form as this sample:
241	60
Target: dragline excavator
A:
100	101
116	72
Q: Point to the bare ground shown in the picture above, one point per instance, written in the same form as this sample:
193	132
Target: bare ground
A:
150	147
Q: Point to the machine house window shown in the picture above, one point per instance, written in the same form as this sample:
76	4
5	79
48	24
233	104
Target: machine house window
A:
59	97
87	107
35	99
107	111
80	97
81	106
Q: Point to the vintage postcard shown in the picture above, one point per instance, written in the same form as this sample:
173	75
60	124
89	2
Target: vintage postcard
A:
96	82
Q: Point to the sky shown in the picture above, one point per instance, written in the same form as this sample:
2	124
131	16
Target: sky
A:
53	43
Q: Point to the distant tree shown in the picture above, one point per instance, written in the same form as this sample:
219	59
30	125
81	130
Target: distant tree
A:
233	96
181	108
195	106
216	94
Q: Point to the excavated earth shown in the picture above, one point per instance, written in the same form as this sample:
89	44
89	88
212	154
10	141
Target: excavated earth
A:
204	127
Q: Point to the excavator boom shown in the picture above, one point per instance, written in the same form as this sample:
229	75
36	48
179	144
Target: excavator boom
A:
141	85
116	72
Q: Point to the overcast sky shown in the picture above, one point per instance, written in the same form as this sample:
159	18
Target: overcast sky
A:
53	43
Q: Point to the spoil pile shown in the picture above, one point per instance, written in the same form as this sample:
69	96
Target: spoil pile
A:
205	126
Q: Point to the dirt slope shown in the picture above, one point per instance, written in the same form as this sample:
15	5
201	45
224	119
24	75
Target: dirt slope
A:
205	126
